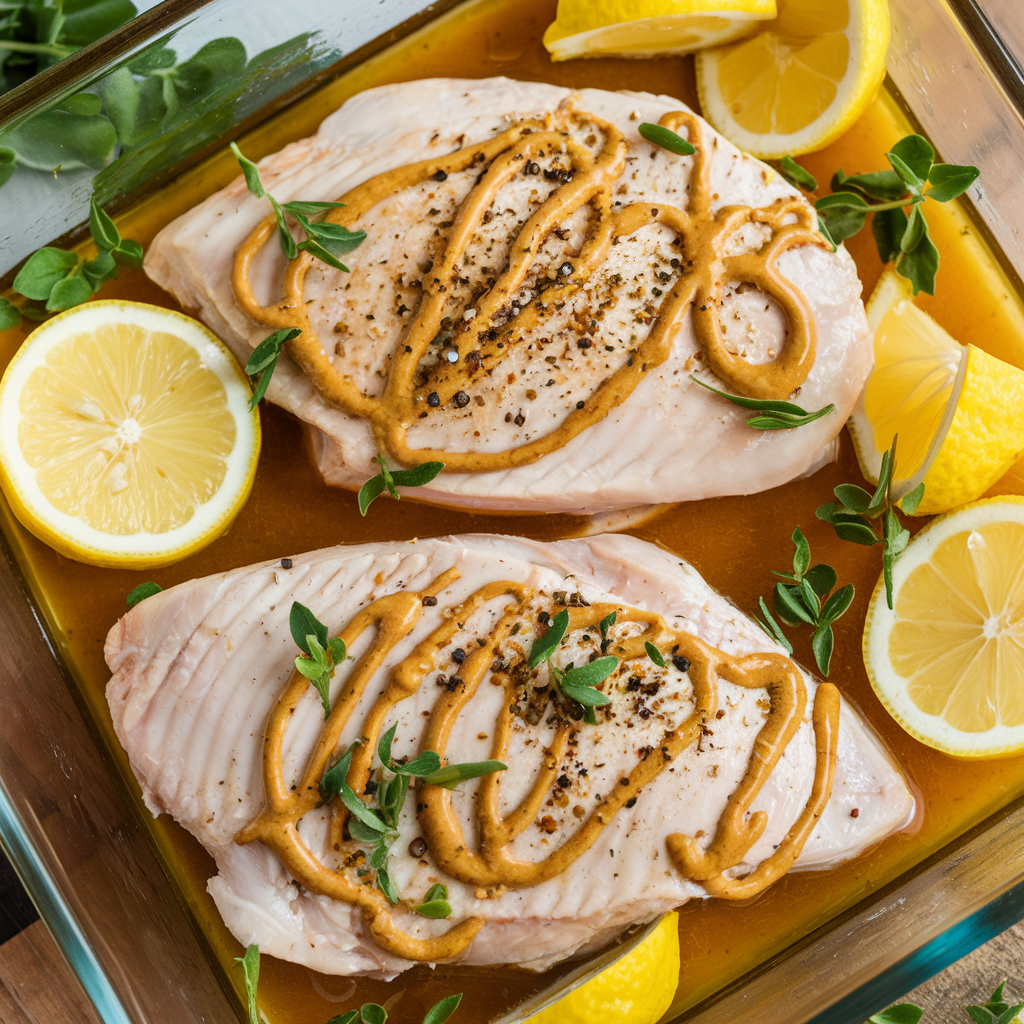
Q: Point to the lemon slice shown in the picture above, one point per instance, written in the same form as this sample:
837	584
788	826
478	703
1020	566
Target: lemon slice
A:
948	661
637	989
955	408
649	28
125	435
801	81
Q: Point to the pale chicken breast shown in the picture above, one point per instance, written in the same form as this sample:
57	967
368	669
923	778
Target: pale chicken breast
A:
200	671
528	341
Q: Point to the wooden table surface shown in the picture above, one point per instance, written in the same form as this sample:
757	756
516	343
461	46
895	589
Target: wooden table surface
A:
37	987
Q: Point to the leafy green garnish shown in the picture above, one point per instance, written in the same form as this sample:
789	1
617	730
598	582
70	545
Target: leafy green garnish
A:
251	969
853	516
378	827
996	1010
903	1013
901	237
435	904
797	176
658	135
580	684
373	1013
263	361
61	279
324	240
141	592
654	654
390	480
320	656
805	596
775	415
10	315
546	645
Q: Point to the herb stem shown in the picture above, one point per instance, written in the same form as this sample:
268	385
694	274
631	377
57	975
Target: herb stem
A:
53	49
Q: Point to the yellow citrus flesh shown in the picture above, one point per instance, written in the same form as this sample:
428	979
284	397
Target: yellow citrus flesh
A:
948	660
648	28
955	409
801	81
125	437
637	989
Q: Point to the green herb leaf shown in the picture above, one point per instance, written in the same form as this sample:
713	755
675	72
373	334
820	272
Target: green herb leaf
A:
579	684
263	361
771	627
315	248
801	553
798	176
372	1013
291	250
250	171
345	1018
308	209
43	270
888	228
884	185
441	1011
658	135
7	164
844	214
384	746
910	501
546	645
72	291
914	231
606	623
452	774
334	778
949	181
424	764
369	492
141	592
356	806
316	670
337	650
789	605
302	623
335	237
654	654
904	1013
920	265
853	497
10	315
101	225
779	415
912	158
822	578
836	605
435	903
825	233
100	269
417	476
386	886
129	253
251	969
391	480
821	644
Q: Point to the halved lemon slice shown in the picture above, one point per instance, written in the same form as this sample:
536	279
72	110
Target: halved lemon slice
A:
948	660
801	81
955	408
649	28
125	435
637	989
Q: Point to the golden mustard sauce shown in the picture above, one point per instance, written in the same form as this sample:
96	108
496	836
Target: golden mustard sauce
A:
493	867
493	332
734	542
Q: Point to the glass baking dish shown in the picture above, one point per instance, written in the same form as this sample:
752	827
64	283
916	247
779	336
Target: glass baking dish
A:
67	819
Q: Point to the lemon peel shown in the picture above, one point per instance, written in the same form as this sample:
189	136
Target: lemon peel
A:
801	80
636	989
125	437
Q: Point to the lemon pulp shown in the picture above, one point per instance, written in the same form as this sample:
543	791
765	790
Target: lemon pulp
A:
801	81
948	660
125	434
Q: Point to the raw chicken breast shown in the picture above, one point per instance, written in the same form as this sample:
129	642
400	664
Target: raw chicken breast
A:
198	672
509	366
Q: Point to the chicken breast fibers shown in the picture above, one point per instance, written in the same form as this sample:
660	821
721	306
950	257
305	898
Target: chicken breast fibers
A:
197	672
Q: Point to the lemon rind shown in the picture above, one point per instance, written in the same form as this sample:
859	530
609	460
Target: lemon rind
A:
1003	741
69	535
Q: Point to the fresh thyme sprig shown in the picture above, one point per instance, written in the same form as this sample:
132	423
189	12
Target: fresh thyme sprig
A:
263	361
141	592
251	969
54	279
774	415
805	595
435	904
378	827
391	479
659	135
373	1013
853	515
914	178
320	656
995	1011
324	240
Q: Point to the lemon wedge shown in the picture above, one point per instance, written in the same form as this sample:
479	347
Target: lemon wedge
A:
636	989
955	408
649	28
801	81
125	435
948	660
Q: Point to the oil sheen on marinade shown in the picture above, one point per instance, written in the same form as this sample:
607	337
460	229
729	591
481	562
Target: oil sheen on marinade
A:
498	324
733	542
393	617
